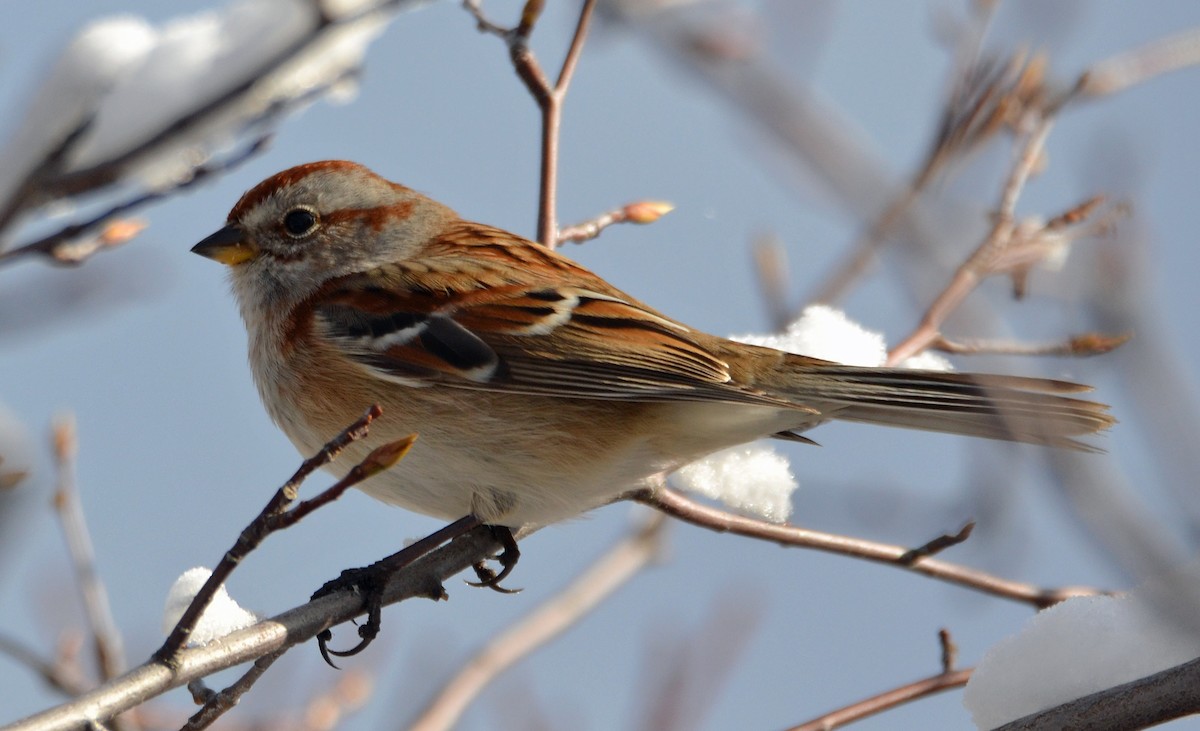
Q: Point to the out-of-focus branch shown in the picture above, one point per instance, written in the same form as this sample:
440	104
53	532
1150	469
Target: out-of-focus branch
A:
106	638
676	505
241	106
1011	248
59	676
1084	345
1118	73
615	568
75	243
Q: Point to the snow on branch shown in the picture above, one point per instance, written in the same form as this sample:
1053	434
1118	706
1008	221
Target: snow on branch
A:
130	104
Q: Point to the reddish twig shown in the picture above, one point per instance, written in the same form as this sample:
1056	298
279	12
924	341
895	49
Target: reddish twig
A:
886	701
641	212
1011	247
549	97
937	545
678	506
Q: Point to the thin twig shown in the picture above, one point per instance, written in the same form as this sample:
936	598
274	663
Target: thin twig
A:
887	700
774	282
220	702
676	505
257	530
613	570
982	263
988	96
1082	346
949	650
106	638
549	98
423	579
937	545
641	212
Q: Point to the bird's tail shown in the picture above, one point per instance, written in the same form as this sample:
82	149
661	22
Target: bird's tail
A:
1013	408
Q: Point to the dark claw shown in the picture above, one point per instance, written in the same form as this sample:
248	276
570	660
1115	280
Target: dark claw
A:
323	639
368	583
508	560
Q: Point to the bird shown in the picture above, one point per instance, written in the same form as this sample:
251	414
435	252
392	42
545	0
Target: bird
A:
538	390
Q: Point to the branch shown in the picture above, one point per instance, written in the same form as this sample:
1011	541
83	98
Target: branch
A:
641	212
549	98
273	517
1149	701
1011	248
423	578
220	702
676	505
890	699
106	638
1118	73
1079	346
66	246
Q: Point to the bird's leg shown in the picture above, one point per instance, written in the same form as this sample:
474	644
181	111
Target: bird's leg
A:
369	581
508	560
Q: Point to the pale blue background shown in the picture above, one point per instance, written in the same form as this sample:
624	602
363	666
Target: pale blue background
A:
176	453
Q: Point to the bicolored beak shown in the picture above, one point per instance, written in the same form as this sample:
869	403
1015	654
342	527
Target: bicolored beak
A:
228	246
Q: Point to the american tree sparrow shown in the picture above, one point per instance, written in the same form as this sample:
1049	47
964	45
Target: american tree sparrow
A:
538	390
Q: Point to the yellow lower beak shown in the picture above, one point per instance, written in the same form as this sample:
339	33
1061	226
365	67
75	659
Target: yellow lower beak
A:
228	246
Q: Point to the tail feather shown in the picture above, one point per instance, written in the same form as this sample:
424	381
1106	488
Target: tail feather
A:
1012	408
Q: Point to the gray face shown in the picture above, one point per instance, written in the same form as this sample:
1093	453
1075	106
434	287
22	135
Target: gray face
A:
316	222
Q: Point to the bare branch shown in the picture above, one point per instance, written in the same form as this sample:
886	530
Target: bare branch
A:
641	212
264	525
1011	248
68	245
549	98
888	700
222	701
676	505
1135	66
422	579
1083	346
937	545
106	638
1142	703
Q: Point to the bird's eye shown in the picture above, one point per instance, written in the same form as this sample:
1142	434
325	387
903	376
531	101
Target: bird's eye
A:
300	222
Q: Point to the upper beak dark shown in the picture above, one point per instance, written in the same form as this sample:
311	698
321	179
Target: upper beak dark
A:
228	246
